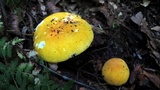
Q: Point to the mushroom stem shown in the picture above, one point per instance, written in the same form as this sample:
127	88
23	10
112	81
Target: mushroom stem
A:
53	66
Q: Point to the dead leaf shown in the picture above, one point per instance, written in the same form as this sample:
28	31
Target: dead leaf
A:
98	30
56	1
53	66
42	7
31	53
108	16
52	8
143	80
137	18
144	77
13	24
145	3
153	78
156	28
153	41
99	1
156	55
134	74
113	4
36	71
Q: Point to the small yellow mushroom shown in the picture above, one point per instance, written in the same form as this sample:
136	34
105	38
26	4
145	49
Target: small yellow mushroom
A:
115	71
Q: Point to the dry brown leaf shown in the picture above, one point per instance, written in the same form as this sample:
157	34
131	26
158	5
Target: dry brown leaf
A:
109	18
156	55
144	77
52	8
13	24
134	74
153	41
153	78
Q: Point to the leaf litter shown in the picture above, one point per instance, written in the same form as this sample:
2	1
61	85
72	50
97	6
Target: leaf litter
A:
125	29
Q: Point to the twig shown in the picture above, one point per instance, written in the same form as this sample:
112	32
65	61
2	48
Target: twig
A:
30	23
66	78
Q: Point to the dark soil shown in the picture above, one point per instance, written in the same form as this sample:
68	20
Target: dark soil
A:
122	28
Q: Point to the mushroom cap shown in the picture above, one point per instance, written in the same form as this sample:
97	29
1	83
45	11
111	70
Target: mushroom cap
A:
61	36
115	71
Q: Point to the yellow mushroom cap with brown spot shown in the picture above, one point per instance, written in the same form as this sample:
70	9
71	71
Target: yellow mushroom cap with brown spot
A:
115	71
61	35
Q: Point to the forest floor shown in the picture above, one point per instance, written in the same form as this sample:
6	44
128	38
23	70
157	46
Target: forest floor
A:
127	29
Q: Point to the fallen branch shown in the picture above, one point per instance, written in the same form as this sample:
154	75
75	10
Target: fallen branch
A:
65	77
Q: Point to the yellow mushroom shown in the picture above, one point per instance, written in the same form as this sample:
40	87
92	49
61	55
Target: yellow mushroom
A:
62	35
115	71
